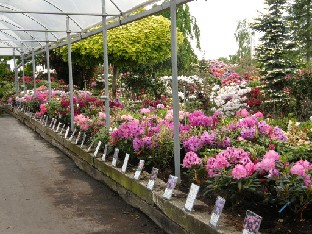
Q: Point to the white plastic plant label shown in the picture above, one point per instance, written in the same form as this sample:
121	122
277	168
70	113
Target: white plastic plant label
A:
58	126
97	149
90	147
216	212
62	129
115	157
78	137
172	182
104	153
46	122
125	163
83	139
139	170
153	177
53	127
73	134
52	121
252	223
66	133
191	197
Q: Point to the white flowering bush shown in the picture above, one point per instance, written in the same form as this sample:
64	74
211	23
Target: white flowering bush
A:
193	85
230	99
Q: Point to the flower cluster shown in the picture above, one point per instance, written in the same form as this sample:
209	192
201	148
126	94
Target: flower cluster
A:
191	159
235	158
83	122
301	168
230	99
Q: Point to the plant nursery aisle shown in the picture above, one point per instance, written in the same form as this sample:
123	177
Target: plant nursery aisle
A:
42	191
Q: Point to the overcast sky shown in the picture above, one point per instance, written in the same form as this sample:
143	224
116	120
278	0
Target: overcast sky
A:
217	20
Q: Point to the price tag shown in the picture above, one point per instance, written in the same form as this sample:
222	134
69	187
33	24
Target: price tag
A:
66	133
83	139
88	150
72	135
104	153
115	157
125	163
172	181
153	177
97	148
139	170
216	212
191	197
252	223
78	137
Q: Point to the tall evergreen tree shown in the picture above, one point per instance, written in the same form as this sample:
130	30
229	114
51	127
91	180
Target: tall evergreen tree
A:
272	54
300	19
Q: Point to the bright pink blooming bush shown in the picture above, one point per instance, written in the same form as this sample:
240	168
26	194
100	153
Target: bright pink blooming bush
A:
191	159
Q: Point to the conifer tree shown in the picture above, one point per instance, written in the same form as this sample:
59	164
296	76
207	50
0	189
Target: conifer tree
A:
272	54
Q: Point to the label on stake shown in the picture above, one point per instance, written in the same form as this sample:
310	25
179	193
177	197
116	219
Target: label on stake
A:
115	157
78	137
153	177
139	170
172	181
104	153
252	223
216	212
83	139
191	197
125	163
97	148
66	133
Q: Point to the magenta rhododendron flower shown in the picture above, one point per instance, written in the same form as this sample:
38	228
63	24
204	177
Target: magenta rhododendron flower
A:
191	159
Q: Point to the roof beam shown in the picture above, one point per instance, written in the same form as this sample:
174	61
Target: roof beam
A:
56	13
160	8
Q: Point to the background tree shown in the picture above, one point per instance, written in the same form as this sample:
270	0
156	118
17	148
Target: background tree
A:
143	42
243	57
300	19
187	24
273	54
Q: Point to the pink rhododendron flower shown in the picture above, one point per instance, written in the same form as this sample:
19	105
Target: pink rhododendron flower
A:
298	170
145	111
160	106
239	172
244	113
10	100
259	115
102	115
191	159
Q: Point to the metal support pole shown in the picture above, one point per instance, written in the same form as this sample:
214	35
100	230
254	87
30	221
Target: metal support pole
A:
48	65
70	73
34	69
23	64
104	32
15	73
175	95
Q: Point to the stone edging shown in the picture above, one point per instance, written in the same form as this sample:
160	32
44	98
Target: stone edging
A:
168	214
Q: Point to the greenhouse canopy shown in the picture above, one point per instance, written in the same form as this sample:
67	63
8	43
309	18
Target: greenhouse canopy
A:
27	24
